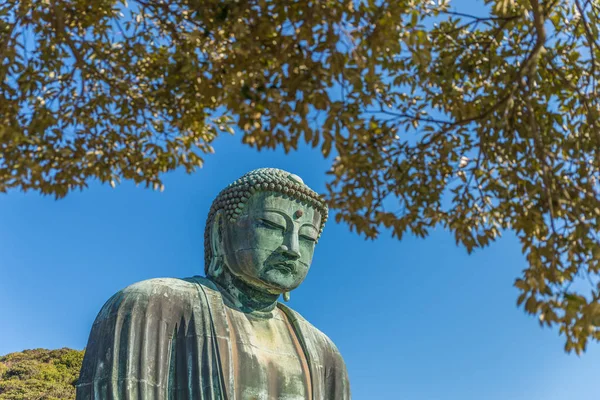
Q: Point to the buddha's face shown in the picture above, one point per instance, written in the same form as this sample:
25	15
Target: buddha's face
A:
271	244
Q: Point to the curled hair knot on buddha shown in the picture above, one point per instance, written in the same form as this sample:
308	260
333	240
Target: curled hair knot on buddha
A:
230	202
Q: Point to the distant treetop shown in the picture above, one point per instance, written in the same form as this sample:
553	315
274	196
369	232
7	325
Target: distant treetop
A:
40	374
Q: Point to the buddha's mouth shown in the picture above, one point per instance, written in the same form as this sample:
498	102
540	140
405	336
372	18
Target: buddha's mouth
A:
287	267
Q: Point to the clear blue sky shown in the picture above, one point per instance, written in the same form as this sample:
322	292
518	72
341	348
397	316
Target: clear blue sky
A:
415	319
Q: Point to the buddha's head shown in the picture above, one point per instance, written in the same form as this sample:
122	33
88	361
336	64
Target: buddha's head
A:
263	229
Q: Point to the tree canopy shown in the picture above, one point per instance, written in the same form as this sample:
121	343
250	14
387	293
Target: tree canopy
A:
431	116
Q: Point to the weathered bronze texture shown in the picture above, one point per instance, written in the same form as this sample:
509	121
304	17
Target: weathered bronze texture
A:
225	336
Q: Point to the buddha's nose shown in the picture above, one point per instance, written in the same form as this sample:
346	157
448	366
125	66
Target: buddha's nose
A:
291	248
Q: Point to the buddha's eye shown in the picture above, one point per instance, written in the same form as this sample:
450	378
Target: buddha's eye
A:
308	238
270	224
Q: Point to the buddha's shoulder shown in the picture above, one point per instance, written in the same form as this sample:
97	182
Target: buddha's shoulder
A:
174	294
163	287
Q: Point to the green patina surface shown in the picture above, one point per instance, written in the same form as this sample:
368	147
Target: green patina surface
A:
225	336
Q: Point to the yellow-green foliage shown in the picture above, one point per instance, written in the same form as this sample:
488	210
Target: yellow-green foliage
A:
430	117
40	374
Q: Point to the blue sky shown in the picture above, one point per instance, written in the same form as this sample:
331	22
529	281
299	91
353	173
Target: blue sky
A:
414	319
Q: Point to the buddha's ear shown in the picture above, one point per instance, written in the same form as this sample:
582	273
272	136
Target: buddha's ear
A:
216	245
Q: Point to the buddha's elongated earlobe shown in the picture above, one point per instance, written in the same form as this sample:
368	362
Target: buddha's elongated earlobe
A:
286	296
215	267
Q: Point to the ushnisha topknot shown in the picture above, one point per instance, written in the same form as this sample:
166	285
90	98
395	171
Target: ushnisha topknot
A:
232	199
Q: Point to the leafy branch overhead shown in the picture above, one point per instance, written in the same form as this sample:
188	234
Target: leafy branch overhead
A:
478	123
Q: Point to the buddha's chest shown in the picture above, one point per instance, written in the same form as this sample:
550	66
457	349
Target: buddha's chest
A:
268	362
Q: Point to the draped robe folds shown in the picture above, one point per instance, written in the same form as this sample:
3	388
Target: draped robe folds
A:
168	339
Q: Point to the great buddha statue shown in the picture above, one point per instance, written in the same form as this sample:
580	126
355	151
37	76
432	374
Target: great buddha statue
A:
226	335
